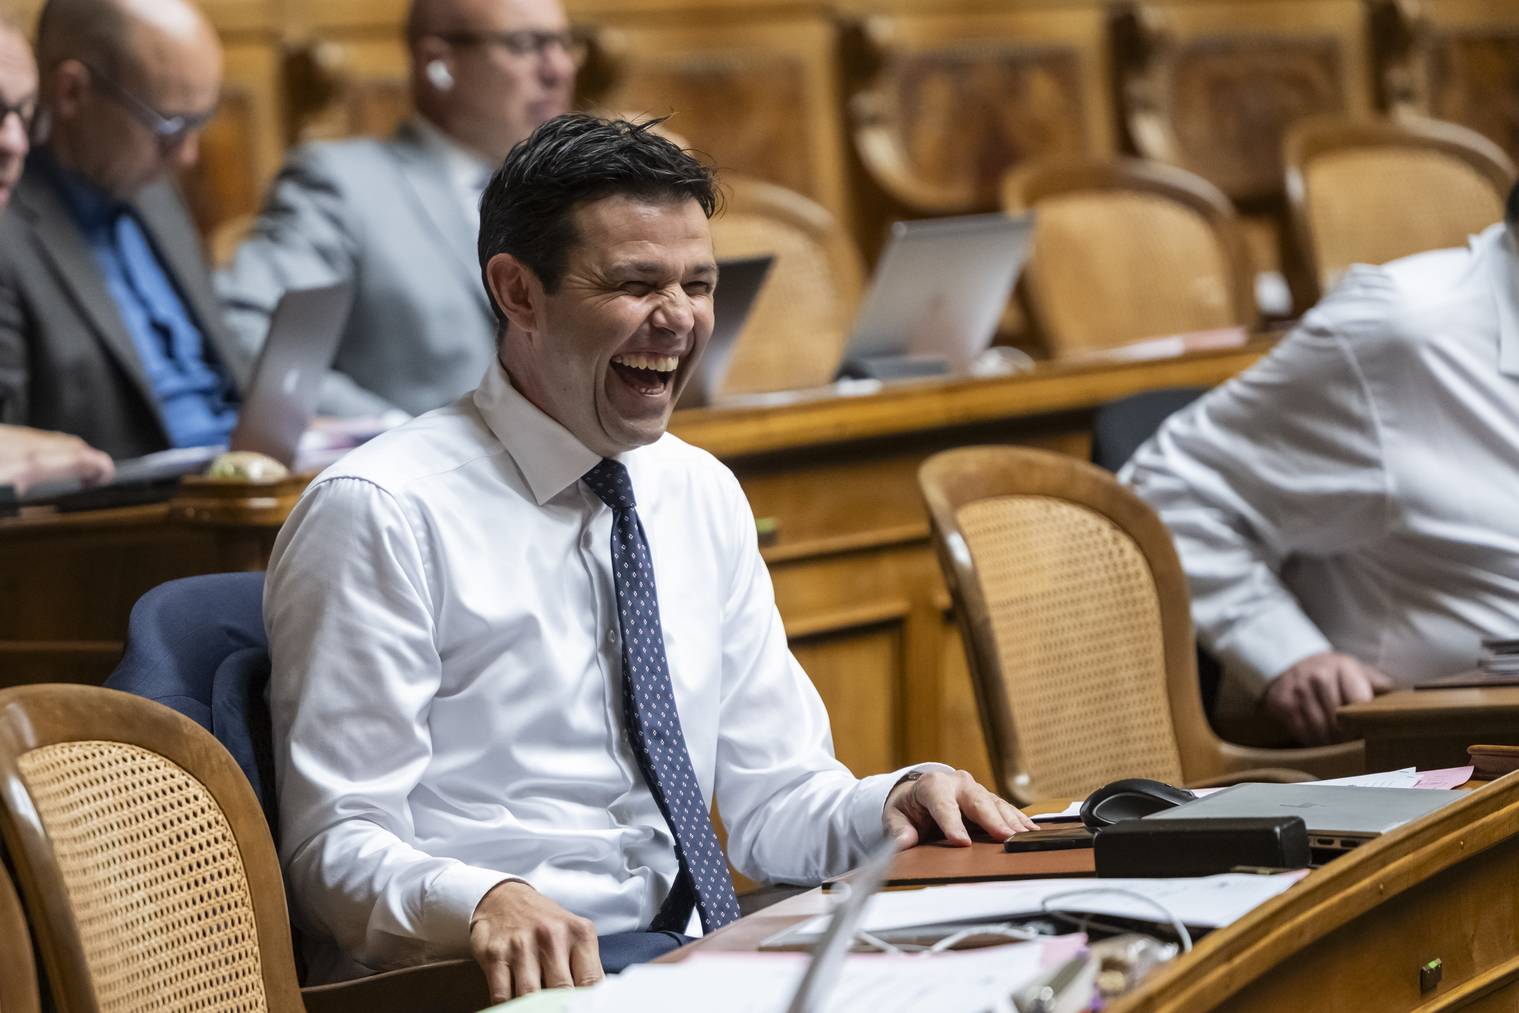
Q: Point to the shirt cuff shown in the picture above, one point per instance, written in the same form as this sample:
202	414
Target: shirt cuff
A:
870	810
451	900
1267	644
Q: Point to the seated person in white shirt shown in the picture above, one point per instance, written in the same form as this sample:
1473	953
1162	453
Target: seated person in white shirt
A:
456	740
1347	510
397	217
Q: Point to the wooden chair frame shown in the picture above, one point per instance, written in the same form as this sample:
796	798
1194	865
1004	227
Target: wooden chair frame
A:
35	716
952	479
1024	188
1324	134
18	968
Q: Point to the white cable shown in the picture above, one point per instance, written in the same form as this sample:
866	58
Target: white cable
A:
1175	922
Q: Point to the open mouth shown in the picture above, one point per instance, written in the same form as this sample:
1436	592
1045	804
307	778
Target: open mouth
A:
649	375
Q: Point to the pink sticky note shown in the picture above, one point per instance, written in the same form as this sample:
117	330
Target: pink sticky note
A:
1447	778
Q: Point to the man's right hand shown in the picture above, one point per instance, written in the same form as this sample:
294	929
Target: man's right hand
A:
1306	696
525	942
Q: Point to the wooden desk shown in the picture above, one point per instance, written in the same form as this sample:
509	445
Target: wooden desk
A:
1433	727
1351	936
833	478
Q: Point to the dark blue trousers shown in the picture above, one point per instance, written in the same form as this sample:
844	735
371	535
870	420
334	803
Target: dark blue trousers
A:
624	949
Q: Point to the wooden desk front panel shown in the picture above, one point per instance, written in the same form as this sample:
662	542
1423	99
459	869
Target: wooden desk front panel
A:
855	574
1466	916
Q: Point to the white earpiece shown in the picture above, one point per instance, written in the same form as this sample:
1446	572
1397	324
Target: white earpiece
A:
438	75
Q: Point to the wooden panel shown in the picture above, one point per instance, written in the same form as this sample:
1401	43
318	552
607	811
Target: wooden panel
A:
944	102
855	672
1455	60
1213	86
759	97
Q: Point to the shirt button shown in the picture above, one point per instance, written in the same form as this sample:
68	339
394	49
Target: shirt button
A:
611	636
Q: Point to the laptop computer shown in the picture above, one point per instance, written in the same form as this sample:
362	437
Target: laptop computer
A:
281	400
739	284
1338	817
937	295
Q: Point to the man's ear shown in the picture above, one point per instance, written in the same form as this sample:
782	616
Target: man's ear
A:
516	289
65	87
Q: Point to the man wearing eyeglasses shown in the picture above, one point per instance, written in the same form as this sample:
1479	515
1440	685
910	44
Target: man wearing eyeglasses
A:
397	218
18	104
109	328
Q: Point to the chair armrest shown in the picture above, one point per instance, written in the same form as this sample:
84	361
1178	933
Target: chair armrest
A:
1340	760
449	986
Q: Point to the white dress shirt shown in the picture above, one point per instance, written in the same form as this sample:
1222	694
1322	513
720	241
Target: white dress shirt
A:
447	695
1358	489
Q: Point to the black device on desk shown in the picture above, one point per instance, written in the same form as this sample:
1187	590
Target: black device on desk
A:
1048	840
1130	799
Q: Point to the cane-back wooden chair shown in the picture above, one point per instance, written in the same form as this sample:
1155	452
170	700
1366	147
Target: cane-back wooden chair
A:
148	872
1369	192
1077	627
1126	249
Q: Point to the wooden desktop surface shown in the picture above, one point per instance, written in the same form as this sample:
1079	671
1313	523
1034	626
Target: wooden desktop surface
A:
832	480
1431	728
1352	936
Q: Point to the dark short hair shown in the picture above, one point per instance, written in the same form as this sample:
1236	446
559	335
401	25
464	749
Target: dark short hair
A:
1511	209
528	206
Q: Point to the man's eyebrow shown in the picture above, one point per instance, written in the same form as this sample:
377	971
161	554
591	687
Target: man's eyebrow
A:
654	268
637	267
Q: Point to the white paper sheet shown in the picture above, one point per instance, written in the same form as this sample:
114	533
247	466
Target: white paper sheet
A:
961	982
1204	901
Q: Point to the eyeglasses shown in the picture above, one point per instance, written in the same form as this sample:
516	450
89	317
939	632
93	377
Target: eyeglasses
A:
169	131
523	43
25	112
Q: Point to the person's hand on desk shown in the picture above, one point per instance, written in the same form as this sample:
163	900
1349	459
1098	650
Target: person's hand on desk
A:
1306	696
32	456
936	804
525	942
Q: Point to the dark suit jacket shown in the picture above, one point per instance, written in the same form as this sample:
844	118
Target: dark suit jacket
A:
67	361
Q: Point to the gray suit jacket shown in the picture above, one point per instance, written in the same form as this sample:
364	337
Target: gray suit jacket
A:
380	215
67	361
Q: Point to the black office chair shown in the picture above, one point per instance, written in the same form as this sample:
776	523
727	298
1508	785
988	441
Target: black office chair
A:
197	646
1121	427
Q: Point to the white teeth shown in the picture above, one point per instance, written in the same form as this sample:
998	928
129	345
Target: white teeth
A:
656	363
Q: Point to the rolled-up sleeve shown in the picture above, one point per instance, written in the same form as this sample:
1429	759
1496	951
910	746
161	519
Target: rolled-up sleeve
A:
1284	460
349	613
794	813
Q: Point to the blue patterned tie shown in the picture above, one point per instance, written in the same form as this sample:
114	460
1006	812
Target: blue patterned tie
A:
648	702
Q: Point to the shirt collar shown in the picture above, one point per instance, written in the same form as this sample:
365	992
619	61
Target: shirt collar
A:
465	166
549	455
91	206
1506	294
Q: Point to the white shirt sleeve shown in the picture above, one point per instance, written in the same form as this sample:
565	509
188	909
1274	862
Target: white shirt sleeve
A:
1284	460
348	609
793	812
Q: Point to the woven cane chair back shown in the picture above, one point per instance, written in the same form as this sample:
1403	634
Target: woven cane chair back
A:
1126	250
1369	193
799	324
1077	626
143	856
